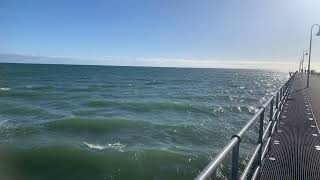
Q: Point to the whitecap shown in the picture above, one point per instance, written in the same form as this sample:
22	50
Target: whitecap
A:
4	89
252	109
95	146
262	100
239	109
1	123
117	146
219	109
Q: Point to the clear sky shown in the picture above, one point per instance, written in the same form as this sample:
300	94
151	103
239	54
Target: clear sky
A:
194	30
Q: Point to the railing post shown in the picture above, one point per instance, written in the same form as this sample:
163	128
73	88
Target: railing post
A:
286	86
271	116
272	121
235	162
260	136
281	102
277	101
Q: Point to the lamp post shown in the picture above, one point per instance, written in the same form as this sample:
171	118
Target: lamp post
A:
318	34
303	54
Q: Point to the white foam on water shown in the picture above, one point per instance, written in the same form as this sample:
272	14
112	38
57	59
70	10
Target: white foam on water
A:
95	146
252	109
117	146
1	123
5	89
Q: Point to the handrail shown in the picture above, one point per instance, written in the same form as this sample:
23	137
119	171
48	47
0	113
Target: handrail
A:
279	98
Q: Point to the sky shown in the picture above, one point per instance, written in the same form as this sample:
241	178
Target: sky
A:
161	32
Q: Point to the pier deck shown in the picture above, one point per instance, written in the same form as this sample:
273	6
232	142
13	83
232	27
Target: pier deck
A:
295	149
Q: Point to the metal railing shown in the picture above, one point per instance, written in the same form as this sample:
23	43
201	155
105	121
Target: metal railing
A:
275	104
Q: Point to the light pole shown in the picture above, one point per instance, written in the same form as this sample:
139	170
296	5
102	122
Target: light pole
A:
318	34
303	54
300	62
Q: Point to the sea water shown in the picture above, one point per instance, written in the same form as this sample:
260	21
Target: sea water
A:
72	122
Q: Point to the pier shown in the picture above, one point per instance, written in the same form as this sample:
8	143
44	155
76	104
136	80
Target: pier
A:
288	147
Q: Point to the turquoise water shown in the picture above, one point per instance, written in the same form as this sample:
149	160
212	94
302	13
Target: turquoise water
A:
98	122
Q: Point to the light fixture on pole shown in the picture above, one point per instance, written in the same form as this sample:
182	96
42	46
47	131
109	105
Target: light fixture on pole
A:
310	47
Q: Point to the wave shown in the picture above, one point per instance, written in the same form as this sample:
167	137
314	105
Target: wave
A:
90	88
109	124
94	125
2	122
73	163
39	87
169	106
149	106
19	94
153	82
16	110
5	89
141	106
102	86
100	103
117	146
183	134
7	131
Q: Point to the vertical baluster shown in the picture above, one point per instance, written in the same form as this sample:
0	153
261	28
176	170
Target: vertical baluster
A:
235	161
271	116
260	137
272	121
281	99
277	102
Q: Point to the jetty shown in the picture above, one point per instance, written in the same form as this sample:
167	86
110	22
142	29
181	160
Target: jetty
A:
288	145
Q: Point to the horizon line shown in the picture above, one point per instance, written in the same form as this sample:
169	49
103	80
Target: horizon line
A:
273	65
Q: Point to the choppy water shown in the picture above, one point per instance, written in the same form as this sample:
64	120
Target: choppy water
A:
94	122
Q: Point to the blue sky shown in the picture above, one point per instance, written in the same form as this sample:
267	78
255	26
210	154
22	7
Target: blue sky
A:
197	30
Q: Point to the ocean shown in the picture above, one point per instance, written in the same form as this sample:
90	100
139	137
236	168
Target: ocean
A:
72	122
